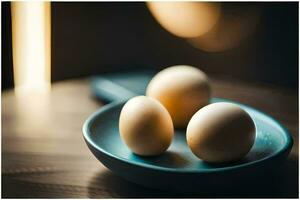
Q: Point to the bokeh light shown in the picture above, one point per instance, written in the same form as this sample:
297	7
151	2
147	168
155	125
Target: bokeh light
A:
31	32
186	19
236	23
211	27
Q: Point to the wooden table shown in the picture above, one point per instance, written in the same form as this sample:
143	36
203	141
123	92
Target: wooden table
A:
44	154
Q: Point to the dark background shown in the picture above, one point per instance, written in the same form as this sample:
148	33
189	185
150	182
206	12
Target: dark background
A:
91	38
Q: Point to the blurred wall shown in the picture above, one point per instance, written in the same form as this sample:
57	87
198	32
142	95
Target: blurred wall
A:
91	38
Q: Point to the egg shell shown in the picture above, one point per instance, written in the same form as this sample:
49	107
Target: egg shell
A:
220	132
182	89
145	126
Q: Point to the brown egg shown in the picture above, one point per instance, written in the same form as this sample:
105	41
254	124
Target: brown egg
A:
182	89
146	126
220	132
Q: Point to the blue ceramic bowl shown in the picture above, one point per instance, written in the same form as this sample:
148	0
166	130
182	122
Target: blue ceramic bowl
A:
178	169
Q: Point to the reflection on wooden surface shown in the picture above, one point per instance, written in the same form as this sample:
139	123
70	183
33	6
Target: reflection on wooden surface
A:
44	154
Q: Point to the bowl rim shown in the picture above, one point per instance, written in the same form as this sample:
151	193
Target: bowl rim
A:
285	133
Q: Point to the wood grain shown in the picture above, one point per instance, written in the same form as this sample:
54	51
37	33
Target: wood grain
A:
44	154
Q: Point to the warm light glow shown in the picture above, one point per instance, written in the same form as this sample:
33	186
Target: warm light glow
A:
236	24
186	19
31	45
211	27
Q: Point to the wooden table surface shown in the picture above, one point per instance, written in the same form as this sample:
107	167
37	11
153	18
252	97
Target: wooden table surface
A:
44	154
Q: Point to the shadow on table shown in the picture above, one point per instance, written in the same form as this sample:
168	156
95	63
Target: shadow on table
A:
281	184
106	184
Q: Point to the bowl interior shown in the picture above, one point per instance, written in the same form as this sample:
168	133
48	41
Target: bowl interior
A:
102	132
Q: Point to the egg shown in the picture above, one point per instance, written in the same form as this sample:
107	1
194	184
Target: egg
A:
220	132
145	126
182	89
